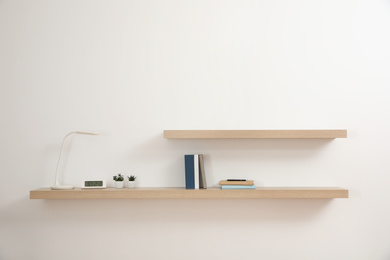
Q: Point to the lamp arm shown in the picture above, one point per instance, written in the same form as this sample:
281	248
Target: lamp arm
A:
56	183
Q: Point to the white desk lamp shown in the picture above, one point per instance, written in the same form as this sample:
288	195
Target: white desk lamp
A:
57	185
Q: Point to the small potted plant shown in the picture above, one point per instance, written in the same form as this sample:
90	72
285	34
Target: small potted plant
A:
118	181
132	181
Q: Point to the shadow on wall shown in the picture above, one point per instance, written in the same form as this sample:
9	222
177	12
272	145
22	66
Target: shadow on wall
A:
225	157
158	142
79	224
164	211
229	149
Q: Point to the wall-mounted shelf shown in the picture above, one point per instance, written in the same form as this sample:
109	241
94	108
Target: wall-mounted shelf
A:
182	193
254	134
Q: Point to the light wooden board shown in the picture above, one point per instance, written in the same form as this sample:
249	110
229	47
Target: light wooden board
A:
254	134
182	193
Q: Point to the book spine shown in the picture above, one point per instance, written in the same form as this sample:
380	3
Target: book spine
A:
202	174
238	187
196	171
189	171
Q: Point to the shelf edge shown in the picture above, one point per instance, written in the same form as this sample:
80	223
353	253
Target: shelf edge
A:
255	134
182	193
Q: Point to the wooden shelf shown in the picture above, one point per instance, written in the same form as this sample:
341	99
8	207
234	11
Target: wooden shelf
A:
254	134
182	193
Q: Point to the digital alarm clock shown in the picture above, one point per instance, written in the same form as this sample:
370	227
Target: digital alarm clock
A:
93	184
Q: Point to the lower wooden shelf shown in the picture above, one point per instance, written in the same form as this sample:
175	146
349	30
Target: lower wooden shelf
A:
182	193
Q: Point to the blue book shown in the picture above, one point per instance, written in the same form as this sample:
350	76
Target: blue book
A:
238	187
189	171
191	162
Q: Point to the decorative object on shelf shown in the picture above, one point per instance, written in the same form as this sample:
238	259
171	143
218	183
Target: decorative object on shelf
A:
57	185
238	187
237	184
132	181
118	181
93	184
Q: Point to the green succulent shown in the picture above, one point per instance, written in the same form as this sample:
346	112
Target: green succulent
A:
132	177
118	177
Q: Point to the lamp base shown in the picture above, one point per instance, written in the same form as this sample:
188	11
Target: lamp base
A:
62	187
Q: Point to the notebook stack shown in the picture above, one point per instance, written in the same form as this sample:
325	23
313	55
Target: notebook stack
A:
237	184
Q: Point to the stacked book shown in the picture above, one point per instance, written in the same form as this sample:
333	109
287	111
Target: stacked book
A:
237	184
194	171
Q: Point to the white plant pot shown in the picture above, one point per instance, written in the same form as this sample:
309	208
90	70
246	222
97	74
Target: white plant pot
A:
131	184
119	184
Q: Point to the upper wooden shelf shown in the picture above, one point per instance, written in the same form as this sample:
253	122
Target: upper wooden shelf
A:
253	134
182	193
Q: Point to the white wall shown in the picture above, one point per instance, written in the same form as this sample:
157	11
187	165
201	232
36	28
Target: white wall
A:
131	69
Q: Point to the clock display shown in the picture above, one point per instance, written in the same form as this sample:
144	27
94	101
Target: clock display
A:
93	183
